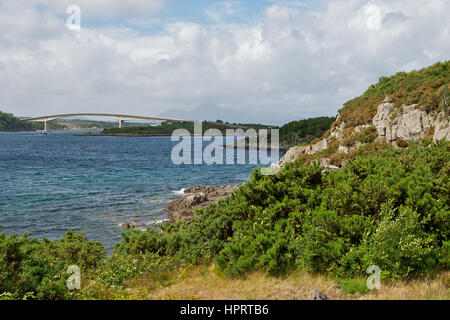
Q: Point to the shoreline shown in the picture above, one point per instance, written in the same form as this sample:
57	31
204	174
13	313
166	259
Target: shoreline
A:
182	208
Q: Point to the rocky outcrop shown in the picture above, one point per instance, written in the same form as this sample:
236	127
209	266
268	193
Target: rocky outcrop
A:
292	154
409	123
196	197
393	125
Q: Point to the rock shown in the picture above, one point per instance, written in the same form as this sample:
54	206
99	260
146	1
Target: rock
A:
358	129
338	133
196	197
408	123
343	149
292	154
325	162
132	224
318	295
318	147
330	168
441	127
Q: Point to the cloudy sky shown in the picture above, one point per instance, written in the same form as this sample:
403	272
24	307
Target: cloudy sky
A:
290	59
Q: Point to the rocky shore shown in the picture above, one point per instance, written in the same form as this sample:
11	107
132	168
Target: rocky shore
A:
183	209
196	197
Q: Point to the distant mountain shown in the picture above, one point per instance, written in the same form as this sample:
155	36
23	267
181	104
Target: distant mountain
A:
211	112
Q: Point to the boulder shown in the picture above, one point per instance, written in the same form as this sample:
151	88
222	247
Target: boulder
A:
408	123
132	224
318	295
292	154
196	197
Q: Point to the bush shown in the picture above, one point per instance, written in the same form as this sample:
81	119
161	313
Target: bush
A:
31	268
353	286
400	245
388	207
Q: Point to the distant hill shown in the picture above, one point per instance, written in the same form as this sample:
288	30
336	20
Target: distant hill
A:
211	112
304	131
167	128
10	123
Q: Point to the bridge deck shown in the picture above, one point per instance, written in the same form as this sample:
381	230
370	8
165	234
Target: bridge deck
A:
120	117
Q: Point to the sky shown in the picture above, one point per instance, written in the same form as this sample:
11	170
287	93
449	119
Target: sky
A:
275	60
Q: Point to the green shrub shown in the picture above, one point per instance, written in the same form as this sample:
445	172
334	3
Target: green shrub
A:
388	207
353	286
37	269
400	245
368	135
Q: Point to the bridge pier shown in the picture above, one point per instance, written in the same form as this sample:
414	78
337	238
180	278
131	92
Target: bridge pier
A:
121	123
45	127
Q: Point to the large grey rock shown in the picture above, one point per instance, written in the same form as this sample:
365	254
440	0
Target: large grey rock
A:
196	197
408	123
318	147
292	154
338	132
441	127
318	295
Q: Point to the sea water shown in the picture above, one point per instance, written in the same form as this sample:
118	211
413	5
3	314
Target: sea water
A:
93	184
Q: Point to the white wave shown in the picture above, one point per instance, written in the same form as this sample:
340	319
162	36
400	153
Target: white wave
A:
180	192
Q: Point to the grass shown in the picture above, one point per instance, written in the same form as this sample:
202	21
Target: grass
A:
428	87
203	283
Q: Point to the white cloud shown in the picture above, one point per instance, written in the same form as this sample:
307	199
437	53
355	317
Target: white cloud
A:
292	63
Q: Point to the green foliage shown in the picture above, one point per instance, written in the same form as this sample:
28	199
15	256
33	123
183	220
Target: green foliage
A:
31	268
167	128
304	131
353	286
10	123
368	135
400	245
51	125
428	87
389	208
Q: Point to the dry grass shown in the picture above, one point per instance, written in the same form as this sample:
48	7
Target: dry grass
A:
201	283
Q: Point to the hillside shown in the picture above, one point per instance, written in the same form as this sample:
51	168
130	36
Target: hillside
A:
428	87
404	108
10	123
298	132
373	190
304	131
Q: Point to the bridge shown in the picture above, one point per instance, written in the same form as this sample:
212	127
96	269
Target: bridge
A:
119	117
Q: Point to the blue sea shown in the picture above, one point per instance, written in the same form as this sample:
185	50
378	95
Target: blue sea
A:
59	181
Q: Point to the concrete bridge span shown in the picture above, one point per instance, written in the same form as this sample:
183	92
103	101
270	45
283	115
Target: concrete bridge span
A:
119	117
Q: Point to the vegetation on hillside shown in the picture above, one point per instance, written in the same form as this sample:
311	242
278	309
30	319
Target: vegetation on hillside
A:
51	125
428	87
292	133
304	131
10	123
167	128
388	207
